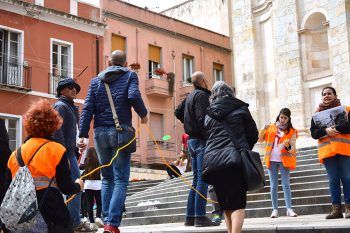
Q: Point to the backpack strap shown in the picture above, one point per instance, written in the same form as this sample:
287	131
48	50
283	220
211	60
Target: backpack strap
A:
20	159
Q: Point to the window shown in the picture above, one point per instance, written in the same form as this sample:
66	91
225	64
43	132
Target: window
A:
217	72
13	129
61	63
10	50
153	60
187	68
156	125
39	2
118	43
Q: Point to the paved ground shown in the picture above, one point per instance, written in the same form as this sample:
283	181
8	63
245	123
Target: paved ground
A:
307	223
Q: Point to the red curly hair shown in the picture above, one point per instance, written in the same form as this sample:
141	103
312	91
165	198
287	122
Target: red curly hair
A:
41	120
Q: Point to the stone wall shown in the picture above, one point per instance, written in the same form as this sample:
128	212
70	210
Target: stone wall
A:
208	14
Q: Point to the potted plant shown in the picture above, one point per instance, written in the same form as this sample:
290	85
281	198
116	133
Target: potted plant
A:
135	66
160	71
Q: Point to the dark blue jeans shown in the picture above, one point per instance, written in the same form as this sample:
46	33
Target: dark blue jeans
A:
115	178
196	204
338	169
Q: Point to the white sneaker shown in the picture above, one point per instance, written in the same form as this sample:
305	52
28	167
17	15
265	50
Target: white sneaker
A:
99	222
93	227
290	213
274	214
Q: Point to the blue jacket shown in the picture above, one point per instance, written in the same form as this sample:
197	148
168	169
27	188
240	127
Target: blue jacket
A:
124	86
66	135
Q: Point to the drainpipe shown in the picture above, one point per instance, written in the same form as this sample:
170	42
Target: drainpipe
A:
230	29
175	125
202	58
97	55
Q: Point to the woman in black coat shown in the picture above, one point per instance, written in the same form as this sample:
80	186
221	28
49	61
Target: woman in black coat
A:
222	161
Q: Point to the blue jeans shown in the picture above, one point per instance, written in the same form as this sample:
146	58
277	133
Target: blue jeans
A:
196	204
115	178
338	169
74	204
285	175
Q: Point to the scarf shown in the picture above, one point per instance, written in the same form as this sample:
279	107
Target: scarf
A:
281	127
324	106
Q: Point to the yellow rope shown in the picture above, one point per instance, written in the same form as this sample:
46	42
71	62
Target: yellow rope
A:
161	156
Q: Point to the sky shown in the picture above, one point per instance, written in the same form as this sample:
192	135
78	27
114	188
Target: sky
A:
153	5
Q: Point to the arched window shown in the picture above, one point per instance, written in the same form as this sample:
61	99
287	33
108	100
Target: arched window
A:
314	45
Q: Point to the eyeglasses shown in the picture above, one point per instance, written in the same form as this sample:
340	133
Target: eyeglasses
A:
71	87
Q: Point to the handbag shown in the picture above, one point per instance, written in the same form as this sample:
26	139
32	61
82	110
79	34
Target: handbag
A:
253	170
126	133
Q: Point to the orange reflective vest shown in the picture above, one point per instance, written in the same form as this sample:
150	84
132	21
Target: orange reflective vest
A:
330	146
288	158
43	166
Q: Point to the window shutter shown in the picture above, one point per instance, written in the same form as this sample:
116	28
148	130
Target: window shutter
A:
118	43
154	53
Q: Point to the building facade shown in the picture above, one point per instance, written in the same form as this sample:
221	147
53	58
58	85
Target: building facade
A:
154	41
42	42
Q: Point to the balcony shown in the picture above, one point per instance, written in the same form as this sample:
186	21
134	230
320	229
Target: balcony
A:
15	76
185	89
167	150
53	82
157	86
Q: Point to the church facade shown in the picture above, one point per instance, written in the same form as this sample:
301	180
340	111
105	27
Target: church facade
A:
285	52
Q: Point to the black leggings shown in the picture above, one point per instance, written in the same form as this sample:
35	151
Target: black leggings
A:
91	196
171	173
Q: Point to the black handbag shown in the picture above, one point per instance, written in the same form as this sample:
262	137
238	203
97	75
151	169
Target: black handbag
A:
126	133
252	167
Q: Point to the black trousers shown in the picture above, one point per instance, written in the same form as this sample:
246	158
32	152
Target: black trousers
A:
171	173
92	196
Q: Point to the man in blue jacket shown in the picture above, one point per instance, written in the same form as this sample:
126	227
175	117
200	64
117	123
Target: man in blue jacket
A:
124	86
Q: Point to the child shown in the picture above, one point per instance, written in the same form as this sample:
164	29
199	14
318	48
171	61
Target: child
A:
179	166
93	188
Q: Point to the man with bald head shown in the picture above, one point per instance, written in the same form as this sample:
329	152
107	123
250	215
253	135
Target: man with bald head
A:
191	112
124	86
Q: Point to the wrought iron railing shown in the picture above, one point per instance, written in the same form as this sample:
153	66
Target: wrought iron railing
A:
15	75
53	82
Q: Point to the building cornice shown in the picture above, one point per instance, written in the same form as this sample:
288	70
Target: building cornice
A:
53	16
177	35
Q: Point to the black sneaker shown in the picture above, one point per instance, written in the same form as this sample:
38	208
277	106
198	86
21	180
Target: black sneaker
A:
189	221
204	221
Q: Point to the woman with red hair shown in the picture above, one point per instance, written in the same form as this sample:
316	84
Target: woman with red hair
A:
49	166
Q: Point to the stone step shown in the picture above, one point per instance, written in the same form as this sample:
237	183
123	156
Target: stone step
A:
302	224
184	189
310	200
178	214
251	197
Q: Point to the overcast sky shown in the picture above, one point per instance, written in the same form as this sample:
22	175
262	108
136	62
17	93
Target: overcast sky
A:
154	5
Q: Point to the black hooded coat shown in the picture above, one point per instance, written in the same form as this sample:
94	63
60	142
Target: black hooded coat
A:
220	152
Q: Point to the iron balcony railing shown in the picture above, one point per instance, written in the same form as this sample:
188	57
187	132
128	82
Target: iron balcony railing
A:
15	75
53	82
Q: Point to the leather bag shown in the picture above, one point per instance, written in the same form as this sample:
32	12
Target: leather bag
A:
252	167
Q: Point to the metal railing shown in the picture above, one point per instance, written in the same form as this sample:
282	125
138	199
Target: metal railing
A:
15	75
53	82
170	146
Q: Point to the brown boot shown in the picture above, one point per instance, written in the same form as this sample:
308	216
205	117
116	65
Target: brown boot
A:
347	210
336	212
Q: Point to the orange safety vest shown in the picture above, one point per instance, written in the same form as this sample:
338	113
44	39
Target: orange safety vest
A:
43	166
288	158
331	146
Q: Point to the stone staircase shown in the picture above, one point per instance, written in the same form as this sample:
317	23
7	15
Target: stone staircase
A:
166	202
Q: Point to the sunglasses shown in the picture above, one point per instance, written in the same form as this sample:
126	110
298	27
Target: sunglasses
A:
71	87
